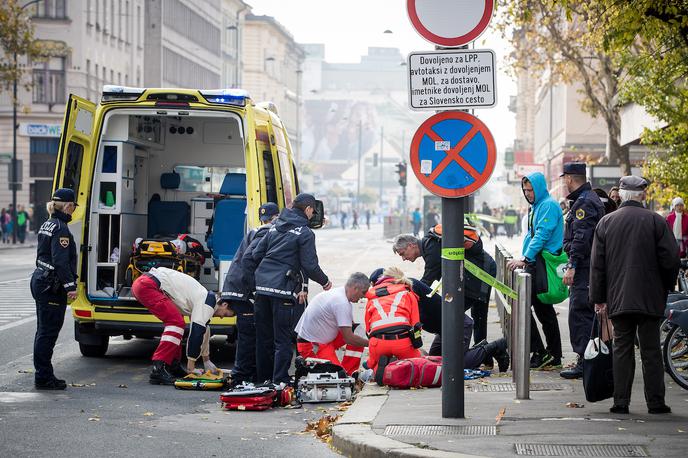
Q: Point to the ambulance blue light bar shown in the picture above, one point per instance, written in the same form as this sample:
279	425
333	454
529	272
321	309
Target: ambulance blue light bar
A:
121	93
236	97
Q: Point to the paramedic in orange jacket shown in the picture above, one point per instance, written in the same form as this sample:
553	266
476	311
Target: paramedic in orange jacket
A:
390	315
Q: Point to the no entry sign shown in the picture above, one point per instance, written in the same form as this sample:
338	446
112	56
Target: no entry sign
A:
450	22
453	154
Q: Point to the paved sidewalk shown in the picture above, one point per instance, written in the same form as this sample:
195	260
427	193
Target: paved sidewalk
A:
30	241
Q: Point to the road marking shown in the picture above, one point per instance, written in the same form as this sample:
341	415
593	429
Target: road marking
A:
17	307
17	323
14	281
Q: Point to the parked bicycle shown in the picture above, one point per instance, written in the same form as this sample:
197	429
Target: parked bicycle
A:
675	348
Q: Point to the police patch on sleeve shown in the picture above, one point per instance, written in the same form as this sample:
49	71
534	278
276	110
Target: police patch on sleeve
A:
580	213
64	242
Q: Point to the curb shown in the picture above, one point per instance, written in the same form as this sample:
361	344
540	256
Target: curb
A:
353	434
17	246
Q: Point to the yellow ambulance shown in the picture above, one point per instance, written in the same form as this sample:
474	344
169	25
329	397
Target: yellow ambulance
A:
151	164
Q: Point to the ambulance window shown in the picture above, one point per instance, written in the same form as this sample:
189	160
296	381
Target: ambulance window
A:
287	183
297	188
270	185
203	179
72	173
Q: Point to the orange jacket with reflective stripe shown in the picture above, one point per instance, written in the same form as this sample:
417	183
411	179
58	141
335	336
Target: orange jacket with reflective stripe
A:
390	306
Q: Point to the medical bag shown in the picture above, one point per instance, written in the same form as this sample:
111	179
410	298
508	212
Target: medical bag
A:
414	372
248	397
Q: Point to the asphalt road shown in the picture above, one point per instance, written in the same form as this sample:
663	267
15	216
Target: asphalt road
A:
113	410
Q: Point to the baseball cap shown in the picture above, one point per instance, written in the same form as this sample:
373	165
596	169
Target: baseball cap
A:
305	199
64	195
633	183
574	168
375	276
268	210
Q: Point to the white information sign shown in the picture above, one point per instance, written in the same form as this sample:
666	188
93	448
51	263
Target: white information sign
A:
452	79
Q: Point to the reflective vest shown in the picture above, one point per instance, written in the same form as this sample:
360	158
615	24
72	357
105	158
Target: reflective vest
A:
390	306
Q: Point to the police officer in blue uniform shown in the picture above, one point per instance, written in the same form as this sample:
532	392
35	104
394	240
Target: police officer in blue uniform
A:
586	210
238	291
52	284
287	259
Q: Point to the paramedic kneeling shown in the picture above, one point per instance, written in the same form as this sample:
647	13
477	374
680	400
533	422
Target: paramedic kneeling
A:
392	321
327	325
170	295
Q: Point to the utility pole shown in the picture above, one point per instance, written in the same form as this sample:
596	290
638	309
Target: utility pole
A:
358	164
382	165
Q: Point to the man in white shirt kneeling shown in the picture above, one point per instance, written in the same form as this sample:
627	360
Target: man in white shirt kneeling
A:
327	325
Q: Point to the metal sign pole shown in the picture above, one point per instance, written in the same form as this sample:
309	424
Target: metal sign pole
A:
452	308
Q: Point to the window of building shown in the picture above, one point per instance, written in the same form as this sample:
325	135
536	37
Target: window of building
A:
53	9
106	29
183	19
119	19
138	26
97	15
43	156
127	27
112	17
88	13
49	82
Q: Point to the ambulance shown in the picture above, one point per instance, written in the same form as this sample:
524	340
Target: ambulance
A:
154	164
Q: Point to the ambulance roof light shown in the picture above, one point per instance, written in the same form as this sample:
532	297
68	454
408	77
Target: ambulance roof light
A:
121	93
236	97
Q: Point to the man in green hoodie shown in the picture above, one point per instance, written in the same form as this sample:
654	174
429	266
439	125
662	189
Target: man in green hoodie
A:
545	232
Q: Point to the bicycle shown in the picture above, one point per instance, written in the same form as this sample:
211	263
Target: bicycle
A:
675	347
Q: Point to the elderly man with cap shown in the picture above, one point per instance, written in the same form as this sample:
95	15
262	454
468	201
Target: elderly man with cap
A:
52	284
286	258
634	263
238	291
171	295
586	210
678	225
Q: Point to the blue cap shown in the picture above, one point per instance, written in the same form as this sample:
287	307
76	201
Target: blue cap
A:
64	195
267	211
375	276
305	199
574	168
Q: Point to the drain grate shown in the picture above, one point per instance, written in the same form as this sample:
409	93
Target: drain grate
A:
440	430
579	450
507	387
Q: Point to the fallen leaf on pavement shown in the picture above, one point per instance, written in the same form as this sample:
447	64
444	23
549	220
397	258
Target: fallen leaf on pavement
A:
148	414
94	419
77	385
574	405
499	416
25	371
122	386
622	429
680	431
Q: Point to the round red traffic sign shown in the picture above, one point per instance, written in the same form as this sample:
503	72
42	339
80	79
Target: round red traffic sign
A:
453	154
450	23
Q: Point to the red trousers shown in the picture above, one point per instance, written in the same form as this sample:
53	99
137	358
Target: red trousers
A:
148	293
352	354
401	348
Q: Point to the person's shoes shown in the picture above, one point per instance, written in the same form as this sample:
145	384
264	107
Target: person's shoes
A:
380	370
553	364
573	372
498	351
540	360
177	369
660	409
52	384
619	409
160	375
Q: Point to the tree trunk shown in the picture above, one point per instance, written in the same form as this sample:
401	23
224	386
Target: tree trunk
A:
615	153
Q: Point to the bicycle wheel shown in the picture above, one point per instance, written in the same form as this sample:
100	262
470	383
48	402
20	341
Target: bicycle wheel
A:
675	354
663	330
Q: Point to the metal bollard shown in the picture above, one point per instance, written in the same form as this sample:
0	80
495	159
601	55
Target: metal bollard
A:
520	355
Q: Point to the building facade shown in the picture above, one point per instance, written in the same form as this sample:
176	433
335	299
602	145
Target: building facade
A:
273	70
92	43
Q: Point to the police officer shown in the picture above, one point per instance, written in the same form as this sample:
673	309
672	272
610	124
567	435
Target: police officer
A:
52	284
586	210
238	290
287	259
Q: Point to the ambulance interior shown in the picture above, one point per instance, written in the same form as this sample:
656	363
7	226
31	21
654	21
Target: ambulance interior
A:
159	175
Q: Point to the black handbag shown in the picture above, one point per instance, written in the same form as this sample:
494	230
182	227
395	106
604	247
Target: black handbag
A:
598	373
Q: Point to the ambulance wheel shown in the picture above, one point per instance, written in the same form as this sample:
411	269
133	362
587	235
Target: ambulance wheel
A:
95	351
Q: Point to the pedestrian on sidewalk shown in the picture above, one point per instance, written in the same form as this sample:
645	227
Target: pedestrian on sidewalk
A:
171	295
327	325
585	212
53	283
287	258
545	232
614	195
22	221
354	224
634	264
4	221
238	291
367	218
416	219
678	224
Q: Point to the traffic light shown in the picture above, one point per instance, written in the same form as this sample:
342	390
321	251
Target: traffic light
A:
401	170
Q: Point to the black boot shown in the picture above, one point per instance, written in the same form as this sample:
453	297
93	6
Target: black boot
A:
380	370
51	384
160	375
177	369
575	371
498	351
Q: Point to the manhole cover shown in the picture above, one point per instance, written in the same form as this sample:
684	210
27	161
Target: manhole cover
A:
440	430
506	387
579	450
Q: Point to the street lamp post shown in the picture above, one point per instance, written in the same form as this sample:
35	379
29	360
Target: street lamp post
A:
15	175
358	166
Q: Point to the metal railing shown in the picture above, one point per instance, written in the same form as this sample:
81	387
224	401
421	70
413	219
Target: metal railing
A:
514	318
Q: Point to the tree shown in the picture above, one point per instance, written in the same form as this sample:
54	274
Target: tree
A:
16	39
653	36
560	37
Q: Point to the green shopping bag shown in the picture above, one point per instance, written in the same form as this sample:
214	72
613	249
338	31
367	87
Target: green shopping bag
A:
549	277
